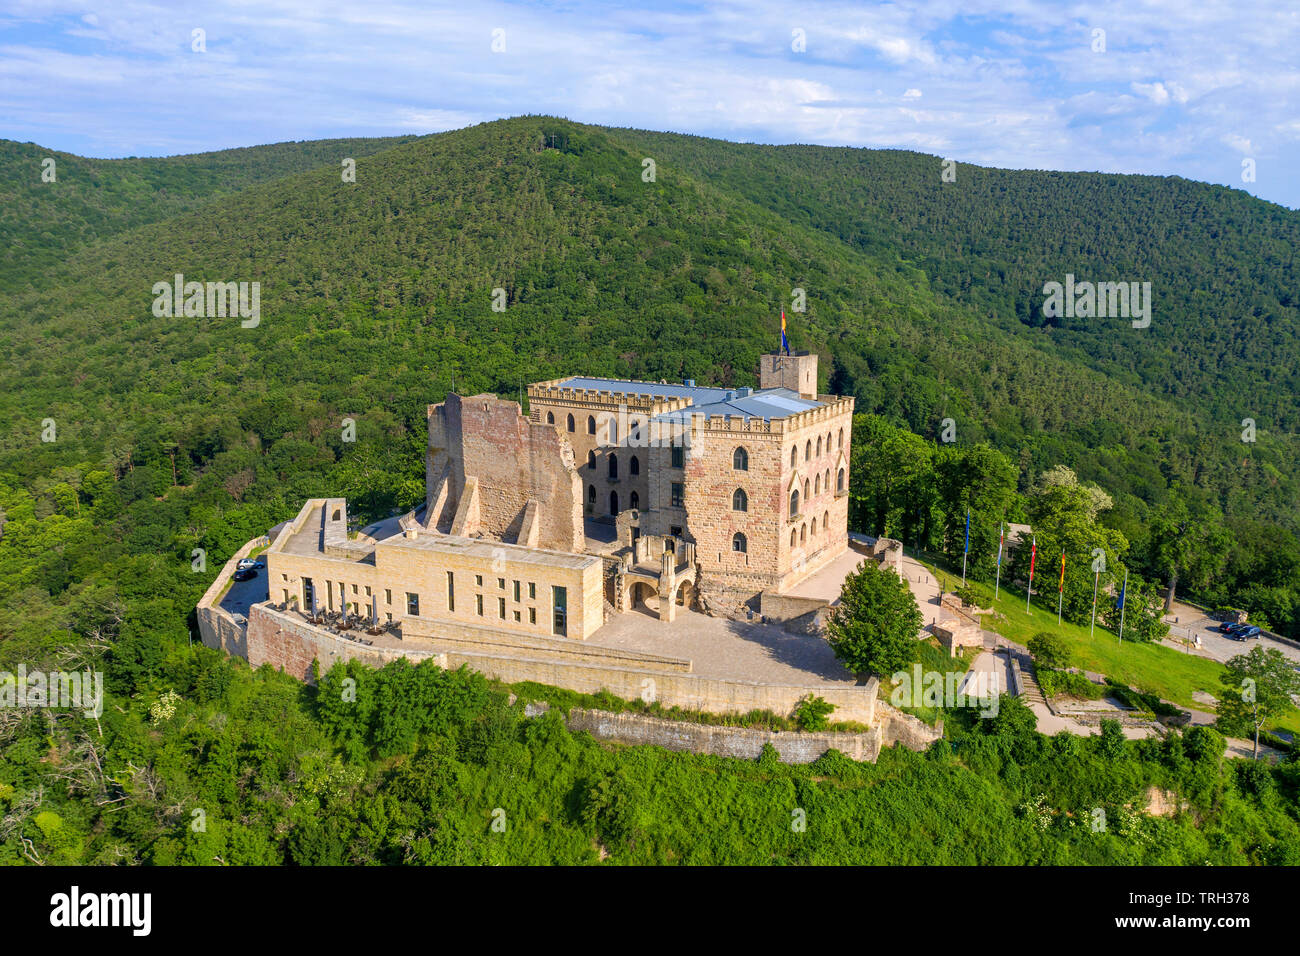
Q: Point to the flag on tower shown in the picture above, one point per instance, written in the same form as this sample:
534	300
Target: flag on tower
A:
785	344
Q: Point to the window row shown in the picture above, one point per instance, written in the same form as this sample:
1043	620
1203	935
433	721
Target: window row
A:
820	483
809	454
800	536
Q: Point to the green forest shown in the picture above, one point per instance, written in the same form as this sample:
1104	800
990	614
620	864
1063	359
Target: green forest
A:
128	441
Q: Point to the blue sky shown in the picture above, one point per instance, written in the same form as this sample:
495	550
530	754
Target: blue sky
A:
1189	88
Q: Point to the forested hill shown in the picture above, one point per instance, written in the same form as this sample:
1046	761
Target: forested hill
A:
922	294
47	215
1223	265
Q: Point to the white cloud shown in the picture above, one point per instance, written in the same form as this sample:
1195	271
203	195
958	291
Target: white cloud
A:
1006	82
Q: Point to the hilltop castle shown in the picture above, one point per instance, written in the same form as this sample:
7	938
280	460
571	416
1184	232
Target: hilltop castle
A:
610	495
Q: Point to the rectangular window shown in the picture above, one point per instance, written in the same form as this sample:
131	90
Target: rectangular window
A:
678	494
516	592
560	604
388	614
532	590
516	617
388	596
501	608
367	590
451	591
501	583
412	604
478	580
675	531
478	601
679	456
532	615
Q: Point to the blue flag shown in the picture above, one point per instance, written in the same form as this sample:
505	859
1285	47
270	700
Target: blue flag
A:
1123	588
967	551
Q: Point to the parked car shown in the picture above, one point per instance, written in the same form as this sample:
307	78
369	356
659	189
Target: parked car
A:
1245	632
245	563
1227	627
245	574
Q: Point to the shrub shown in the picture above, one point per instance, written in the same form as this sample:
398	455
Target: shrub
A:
1049	651
811	713
974	595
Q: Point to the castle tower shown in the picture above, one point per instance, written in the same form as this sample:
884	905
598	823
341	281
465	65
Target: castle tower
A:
797	372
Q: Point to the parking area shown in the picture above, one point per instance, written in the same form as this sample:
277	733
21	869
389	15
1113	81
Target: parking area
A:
244	594
1189	623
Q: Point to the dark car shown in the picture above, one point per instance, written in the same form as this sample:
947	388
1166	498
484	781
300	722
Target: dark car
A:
245	574
1227	627
1245	632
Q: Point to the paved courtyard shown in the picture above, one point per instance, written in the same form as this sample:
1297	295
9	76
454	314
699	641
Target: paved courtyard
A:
733	650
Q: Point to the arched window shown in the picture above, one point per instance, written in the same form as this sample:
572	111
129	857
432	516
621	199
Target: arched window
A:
819	446
634	432
634	467
805	490
794	502
740	460
794	456
839	481
611	432
803	534
550	418
826	481
570	423
738	543
613	502
826	522
591	425
591	494
613	468
634	501
591	460
817	485
841	446
807	451
794	537
739	500
814	527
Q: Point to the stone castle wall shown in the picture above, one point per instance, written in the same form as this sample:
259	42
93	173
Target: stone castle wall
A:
288	643
512	461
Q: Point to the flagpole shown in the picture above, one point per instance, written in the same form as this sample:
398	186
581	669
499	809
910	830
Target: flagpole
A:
1060	591
1093	626
1030	590
1123	605
997	582
965	552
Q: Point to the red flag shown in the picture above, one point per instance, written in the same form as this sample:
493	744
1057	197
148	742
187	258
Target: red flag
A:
1033	553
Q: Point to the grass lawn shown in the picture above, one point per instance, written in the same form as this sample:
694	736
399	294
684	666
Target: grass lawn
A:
1151	668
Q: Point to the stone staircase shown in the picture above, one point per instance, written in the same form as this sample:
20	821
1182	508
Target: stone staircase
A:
1031	693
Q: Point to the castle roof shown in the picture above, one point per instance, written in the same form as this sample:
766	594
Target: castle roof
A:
767	403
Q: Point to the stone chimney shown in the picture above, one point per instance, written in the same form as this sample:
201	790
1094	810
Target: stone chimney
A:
797	372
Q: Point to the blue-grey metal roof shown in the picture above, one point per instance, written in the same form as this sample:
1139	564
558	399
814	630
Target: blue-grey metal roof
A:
695	393
745	403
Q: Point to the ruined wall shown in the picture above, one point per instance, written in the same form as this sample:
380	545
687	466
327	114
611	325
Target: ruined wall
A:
741	742
288	643
514	460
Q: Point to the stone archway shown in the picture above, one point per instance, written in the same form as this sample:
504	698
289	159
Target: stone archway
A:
686	594
642	597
